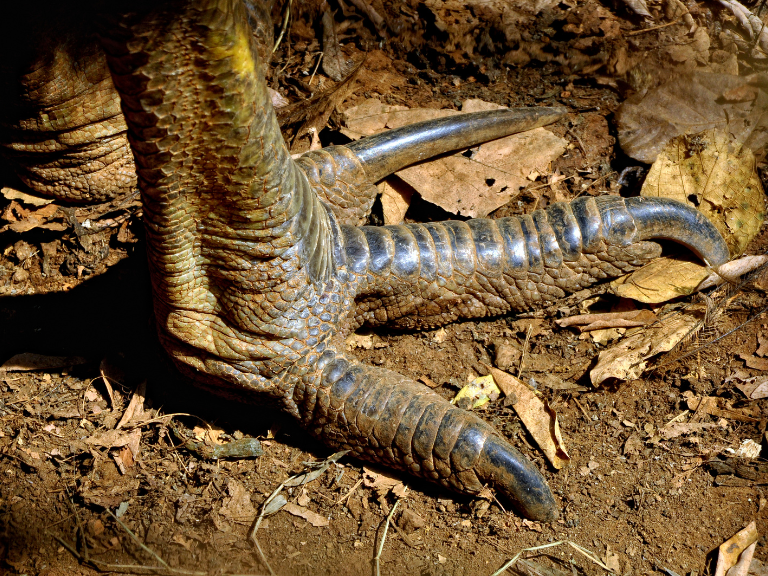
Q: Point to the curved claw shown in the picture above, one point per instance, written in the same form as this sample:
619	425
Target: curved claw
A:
381	416
667	219
504	467
390	151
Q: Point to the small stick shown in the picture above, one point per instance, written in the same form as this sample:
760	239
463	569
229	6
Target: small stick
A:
263	556
589	420
377	558
349	493
139	542
284	27
652	28
525	350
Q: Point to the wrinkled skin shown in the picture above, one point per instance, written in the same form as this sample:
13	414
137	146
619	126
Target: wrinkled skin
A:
259	266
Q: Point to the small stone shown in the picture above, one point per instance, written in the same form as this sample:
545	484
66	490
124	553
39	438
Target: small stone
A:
20	275
23	251
506	355
410	521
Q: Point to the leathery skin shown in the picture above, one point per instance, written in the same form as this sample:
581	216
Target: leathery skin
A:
259	269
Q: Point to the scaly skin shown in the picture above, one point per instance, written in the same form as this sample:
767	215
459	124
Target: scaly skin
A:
259	271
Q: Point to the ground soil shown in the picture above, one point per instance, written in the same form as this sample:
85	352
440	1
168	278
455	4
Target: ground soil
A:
650	505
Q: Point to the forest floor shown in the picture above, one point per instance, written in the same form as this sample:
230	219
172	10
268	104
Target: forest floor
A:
642	500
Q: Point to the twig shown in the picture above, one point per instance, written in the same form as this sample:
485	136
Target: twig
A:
349	493
586	416
652	28
284	27
525	350
312	77
580	549
139	542
377	558
163	570
263	556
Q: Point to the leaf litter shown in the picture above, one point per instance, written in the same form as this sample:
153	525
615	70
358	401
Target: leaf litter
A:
537	416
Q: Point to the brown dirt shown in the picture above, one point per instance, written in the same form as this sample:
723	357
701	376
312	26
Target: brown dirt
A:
654	503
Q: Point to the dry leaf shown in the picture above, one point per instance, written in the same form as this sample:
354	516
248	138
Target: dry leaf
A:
303	498
116	439
754	362
661	280
380	481
395	199
688	104
312	517
492	176
605	320
612	560
640	8
477	393
627	359
363	341
182	541
675	429
28	361
715	174
24	197
237	506
472	186
711	405
372	116
737	552
104	369
762	345
754	388
135	406
539	419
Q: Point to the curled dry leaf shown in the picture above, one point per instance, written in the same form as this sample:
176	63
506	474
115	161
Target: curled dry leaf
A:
733	270
537	416
716	174
312	517
28	361
135	406
628	319
627	359
639	7
737	551
382	483
751	24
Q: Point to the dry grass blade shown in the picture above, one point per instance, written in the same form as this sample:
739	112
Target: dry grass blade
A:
716	303
580	549
377	558
294	481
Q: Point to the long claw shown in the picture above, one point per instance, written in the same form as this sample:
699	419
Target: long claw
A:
384	417
666	219
390	151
